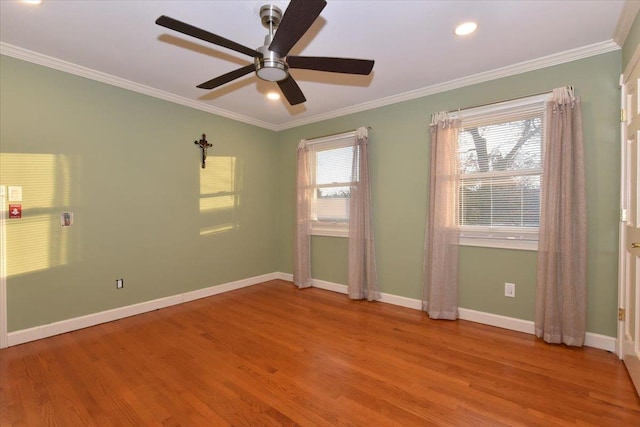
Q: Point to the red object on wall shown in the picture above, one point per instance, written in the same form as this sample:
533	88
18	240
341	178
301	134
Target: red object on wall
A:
15	211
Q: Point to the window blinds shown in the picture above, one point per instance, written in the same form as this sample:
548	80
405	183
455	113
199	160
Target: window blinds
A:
331	164
501	155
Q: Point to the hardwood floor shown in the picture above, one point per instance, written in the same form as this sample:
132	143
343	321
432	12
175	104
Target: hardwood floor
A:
271	355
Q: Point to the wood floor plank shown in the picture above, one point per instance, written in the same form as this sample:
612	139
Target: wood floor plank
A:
272	355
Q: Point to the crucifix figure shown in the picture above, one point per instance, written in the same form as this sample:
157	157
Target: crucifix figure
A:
204	145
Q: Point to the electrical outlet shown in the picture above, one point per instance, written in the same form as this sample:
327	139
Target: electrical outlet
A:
119	283
510	290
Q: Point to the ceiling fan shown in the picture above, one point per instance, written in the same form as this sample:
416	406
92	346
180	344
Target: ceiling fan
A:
271	62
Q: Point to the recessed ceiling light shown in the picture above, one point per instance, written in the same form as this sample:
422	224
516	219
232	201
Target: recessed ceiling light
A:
273	95
32	1
466	28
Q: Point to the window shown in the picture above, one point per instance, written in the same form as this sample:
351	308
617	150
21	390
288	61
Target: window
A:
330	166
500	150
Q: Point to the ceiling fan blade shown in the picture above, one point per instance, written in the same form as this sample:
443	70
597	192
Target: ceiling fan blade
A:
226	78
291	91
190	30
297	19
333	65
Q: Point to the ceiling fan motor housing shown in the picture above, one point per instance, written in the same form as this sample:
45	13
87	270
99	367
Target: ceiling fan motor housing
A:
270	67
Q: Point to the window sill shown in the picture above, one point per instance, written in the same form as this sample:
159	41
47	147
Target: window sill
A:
329	230
523	245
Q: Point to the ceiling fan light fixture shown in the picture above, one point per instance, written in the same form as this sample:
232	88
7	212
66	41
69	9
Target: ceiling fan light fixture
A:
272	71
270	67
466	28
274	96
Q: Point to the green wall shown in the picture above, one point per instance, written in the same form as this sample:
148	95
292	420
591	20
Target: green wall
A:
125	164
399	171
631	43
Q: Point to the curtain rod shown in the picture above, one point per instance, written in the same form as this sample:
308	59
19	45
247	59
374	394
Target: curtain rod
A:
501	101
337	133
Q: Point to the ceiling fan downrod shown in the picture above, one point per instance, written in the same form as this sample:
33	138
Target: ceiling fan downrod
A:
270	66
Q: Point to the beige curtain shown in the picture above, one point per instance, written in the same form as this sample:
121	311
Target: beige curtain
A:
302	244
562	248
363	277
440	294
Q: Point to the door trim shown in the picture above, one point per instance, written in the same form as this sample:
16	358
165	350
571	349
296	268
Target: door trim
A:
4	341
622	223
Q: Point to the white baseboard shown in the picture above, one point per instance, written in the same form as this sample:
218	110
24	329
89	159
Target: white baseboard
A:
412	303
591	339
19	337
386	298
329	286
602	342
226	287
63	326
490	319
284	276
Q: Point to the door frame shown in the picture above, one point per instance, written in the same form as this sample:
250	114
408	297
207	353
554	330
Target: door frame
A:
4	342
623	194
622	246
622	223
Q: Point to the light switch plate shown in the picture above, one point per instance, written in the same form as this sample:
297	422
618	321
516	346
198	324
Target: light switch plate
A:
15	193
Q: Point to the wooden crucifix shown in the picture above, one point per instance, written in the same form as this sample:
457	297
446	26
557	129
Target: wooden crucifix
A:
204	145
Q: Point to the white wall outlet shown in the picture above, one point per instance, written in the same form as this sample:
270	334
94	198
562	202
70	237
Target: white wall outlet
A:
510	290
119	283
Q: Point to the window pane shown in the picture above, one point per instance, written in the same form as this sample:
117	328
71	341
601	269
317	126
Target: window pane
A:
334	165
332	204
507	146
331	178
512	201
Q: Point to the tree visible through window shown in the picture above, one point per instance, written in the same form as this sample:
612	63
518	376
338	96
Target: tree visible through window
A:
501	163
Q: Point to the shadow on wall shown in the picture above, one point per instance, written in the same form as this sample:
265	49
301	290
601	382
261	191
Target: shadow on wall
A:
220	186
37	241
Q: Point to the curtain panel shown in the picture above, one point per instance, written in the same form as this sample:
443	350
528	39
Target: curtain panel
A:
302	243
363	276
561	296
440	291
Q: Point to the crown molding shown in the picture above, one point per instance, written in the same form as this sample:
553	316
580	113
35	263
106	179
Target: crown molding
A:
71	68
522	67
625	22
510	70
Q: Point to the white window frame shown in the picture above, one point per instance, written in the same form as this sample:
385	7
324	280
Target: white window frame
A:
343	140
521	238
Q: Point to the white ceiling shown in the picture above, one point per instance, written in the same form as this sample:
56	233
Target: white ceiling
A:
412	43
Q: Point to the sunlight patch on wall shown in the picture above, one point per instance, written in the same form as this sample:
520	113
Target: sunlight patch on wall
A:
28	245
37	241
219	195
217	202
217	184
217	229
